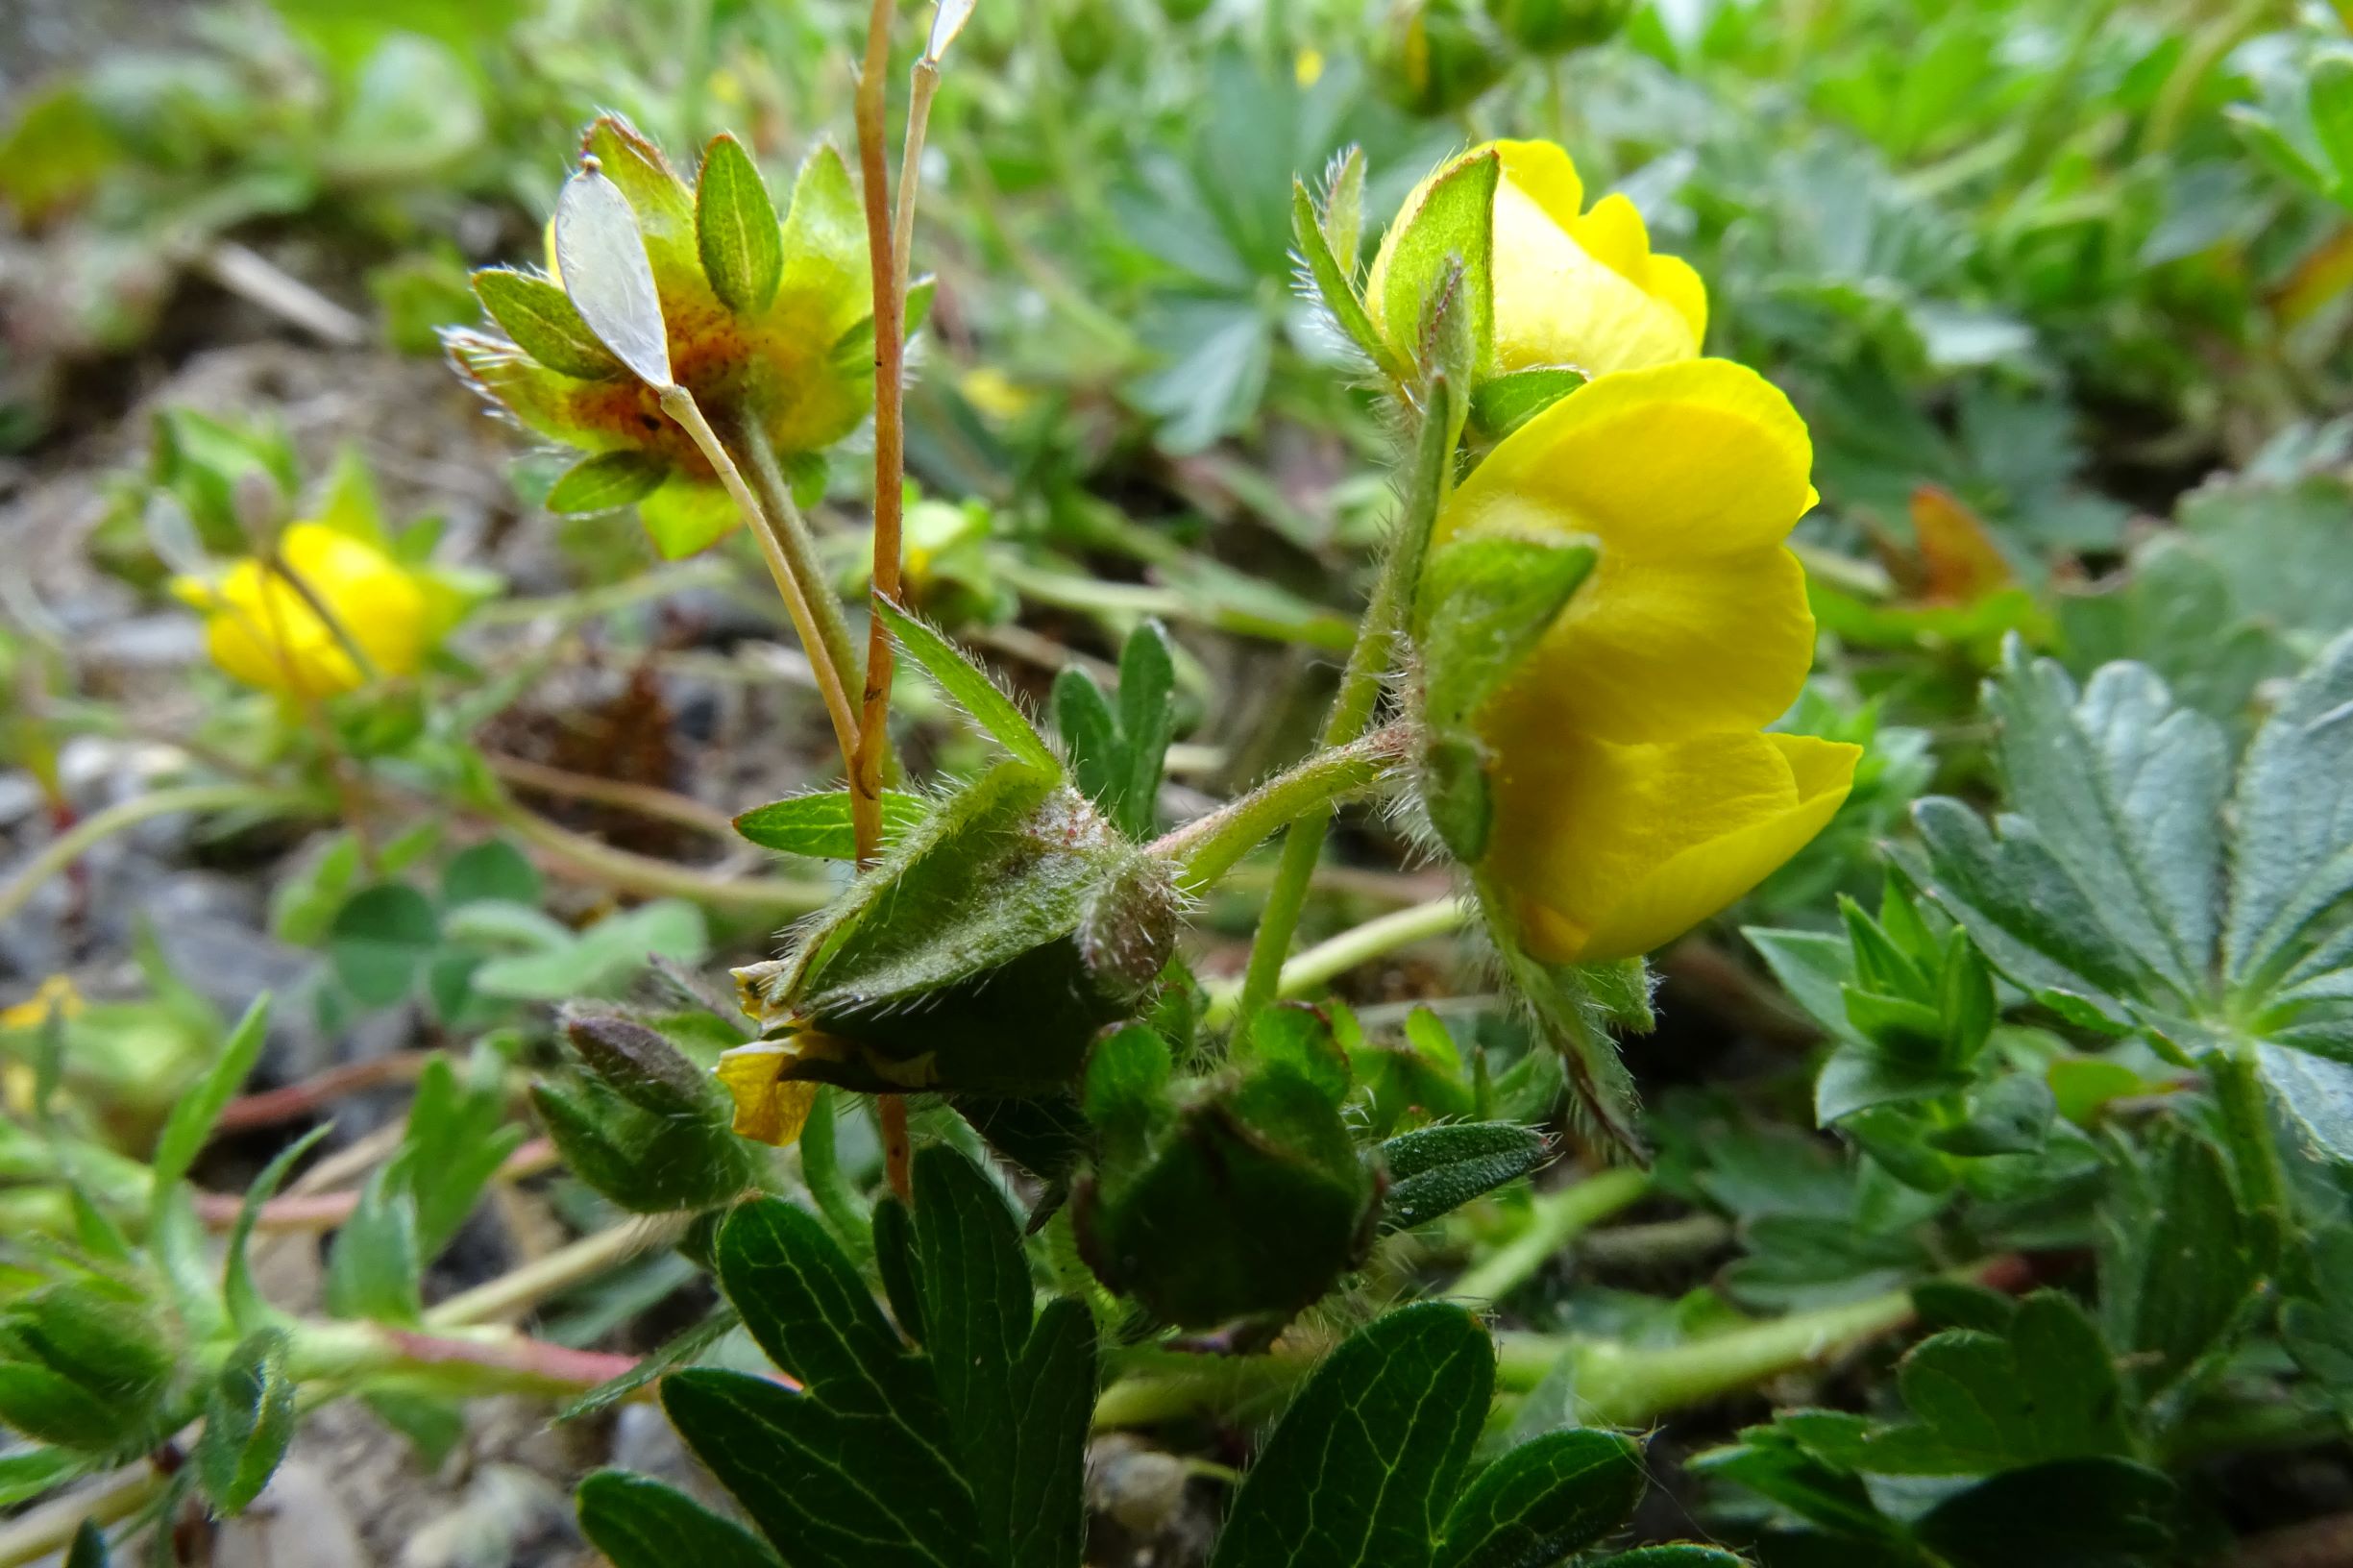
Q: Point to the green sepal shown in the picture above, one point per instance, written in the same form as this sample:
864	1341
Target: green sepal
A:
544	323
1485	603
1444	251
820	825
1435	1170
736	229
982	953
607	481
1249	1198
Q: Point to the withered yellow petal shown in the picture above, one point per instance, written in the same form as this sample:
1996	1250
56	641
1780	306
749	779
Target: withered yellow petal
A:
1605	851
769	1107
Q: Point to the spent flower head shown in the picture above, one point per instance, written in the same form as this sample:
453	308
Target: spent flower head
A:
768	324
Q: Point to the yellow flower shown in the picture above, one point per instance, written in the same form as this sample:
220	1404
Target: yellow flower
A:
1633	792
1572	287
56	994
262	629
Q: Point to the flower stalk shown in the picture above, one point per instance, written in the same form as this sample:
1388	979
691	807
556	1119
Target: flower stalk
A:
1352	706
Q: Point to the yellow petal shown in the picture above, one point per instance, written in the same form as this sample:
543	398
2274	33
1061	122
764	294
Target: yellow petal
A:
1674	282
1577	290
769	1105
264	631
1606	851
1695	620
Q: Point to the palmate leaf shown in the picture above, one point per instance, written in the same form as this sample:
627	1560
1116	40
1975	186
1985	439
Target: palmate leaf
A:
2102	891
966	1453
1365	1470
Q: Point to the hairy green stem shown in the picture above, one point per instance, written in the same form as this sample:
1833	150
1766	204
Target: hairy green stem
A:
72	845
1554	1219
1359	695
657	878
1358	945
791	539
1207	847
1630	1386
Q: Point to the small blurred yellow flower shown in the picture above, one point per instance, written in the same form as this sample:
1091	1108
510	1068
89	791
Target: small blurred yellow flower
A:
262	629
1634	793
56	994
1572	287
58	997
1309	69
996	394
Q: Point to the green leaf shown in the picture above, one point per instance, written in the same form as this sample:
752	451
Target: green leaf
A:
736	229
26	1472
249	1420
2044	1389
494	870
89	1548
1017	1397
2180	1268
1363	1464
380	939
1453	227
458	1138
2071	1514
1544	1500
544	323
194	1113
819	826
680	1350
868	1410
1435	1170
374	1269
607	481
968	687
1673	1554
247	1309
2292	860
601	254
1502	404
640	1523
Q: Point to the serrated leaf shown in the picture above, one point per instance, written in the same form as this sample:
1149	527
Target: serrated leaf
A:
968	687
640	1523
736	229
868	1408
2044	1389
545	324
819	826
2292	860
608	276
2180	1268
1435	1170
249	1420
1544	1500
194	1113
607	481
2072	1514
1360	1470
